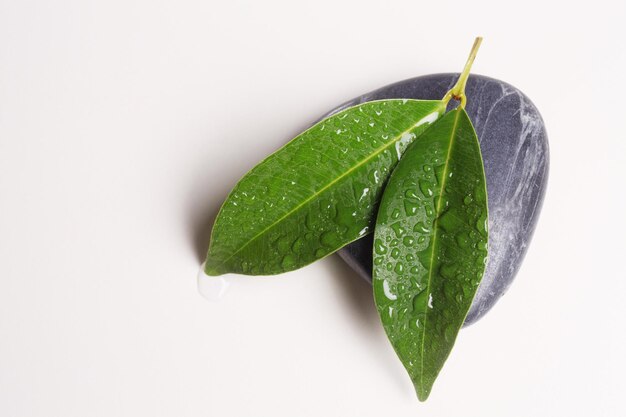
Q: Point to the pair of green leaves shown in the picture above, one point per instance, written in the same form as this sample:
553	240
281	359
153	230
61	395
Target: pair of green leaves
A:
399	167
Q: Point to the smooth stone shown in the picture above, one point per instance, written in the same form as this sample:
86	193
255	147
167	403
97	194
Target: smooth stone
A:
514	145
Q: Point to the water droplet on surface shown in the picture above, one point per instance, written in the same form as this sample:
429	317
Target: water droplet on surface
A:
395	253
403	142
410	193
309	221
448	270
283	244
395	214
462	239
426	188
380	248
421	228
297	245
364	194
329	238
388	292
398	229
210	287
408	241
420	301
399	268
410	208
481	224
439	173
450	220
468	199
288	262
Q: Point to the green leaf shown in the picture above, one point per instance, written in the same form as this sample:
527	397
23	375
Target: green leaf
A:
317	193
430	245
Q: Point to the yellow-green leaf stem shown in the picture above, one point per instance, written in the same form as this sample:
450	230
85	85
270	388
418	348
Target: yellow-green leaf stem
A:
458	91
430	241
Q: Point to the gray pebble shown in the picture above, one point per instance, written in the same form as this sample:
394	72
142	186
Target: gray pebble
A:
514	146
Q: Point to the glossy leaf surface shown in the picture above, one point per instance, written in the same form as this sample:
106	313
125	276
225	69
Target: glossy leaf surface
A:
430	245
317	193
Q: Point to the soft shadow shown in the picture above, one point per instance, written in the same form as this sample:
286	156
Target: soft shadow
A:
358	294
200	229
213	182
359	297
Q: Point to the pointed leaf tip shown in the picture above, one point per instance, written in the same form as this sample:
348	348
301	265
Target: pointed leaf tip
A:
317	193
430	246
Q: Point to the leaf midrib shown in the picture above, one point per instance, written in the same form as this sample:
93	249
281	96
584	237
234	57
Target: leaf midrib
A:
432	254
327	186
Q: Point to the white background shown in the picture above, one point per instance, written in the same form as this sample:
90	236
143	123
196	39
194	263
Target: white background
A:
123	125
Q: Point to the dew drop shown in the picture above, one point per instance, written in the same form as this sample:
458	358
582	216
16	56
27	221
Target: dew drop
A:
421	228
283	244
410	209
379	247
210	287
450	220
297	245
410	193
398	229
288	262
462	239
309	221
329	238
420	301
426	188
439	173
